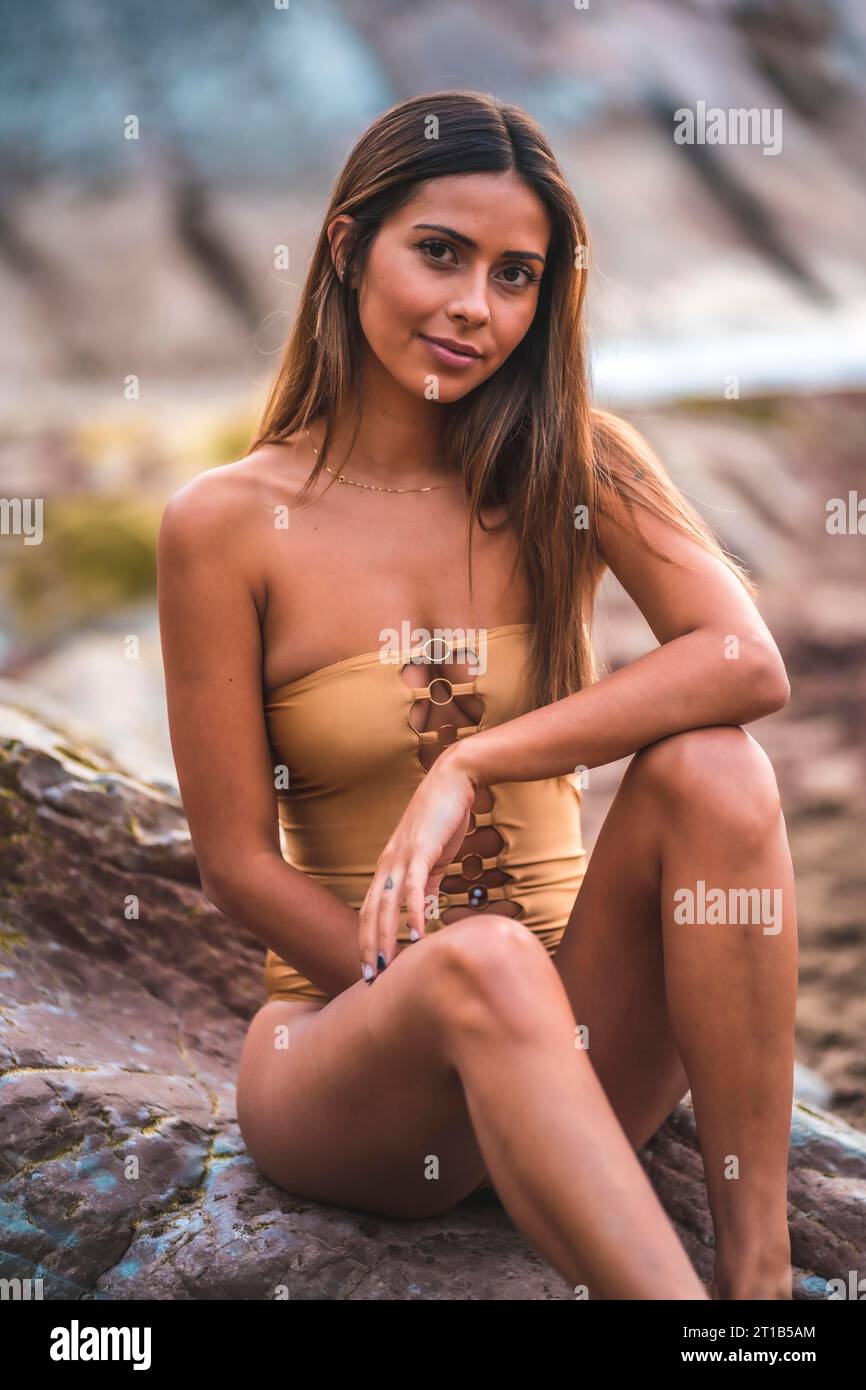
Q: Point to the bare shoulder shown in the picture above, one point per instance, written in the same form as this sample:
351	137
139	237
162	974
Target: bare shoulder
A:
218	513
215	493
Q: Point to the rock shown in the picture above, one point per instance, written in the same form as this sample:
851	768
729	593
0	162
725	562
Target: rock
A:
124	997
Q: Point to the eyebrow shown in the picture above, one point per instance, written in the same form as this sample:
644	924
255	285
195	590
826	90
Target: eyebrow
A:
473	245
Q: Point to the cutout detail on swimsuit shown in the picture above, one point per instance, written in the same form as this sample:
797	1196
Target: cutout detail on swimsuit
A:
481	879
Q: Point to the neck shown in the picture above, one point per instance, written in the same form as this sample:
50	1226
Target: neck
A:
399	441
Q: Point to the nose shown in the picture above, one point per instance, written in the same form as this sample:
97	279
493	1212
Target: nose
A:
469	304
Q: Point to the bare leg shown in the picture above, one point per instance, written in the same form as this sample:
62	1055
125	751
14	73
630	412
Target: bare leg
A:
462	1049
562	1165
655	993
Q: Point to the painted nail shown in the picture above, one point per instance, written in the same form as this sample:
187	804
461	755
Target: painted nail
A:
414	934
368	972
380	961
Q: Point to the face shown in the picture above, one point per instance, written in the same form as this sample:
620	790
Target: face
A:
461	264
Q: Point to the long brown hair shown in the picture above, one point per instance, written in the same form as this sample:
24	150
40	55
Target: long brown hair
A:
528	438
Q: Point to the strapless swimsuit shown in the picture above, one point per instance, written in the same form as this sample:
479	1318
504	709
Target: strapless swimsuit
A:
357	737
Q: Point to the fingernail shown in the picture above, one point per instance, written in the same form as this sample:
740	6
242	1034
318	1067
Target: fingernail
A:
381	961
367	972
414	934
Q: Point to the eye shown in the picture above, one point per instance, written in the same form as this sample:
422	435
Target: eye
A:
430	244
531	276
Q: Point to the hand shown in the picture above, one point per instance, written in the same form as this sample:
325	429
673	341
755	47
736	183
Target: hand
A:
413	862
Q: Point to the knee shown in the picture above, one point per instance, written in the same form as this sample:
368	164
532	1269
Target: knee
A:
720	771
485	966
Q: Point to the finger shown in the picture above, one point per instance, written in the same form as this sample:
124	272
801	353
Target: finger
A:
367	934
431	890
370	917
414	892
388	913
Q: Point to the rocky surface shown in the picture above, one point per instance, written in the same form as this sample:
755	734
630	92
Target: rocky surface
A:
124	998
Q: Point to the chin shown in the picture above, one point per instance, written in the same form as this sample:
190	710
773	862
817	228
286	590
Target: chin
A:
418	384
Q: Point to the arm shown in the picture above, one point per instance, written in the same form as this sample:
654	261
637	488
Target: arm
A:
694	606
210	630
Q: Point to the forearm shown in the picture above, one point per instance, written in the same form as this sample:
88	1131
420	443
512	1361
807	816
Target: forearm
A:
686	683
307	925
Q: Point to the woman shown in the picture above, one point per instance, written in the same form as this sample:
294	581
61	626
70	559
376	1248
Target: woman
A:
400	827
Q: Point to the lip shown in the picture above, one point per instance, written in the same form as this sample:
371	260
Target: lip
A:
451	352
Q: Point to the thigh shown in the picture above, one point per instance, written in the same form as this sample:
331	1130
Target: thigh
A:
611	962
355	1102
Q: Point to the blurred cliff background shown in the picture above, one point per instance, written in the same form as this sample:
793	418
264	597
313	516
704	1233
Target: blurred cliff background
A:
156	157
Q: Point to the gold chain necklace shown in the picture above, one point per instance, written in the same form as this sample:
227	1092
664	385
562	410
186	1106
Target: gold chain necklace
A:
371	487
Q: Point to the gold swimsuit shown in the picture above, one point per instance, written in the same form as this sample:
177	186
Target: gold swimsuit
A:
357	737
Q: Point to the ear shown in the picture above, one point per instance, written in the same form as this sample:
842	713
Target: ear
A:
337	231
